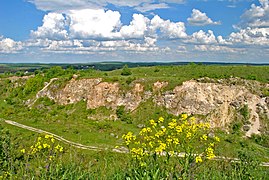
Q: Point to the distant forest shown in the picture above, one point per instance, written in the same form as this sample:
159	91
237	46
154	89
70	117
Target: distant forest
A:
102	66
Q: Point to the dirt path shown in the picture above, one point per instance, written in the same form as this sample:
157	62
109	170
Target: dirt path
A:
39	93
95	148
74	144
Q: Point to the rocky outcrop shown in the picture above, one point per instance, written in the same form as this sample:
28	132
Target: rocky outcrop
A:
216	100
96	93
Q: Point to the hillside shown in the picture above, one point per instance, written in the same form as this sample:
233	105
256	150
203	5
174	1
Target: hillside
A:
94	107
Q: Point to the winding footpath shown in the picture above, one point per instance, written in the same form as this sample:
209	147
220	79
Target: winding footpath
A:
95	148
74	144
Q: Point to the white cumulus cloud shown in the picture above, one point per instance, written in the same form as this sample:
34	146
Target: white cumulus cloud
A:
8	45
253	30
202	37
53	27
256	16
251	36
199	18
88	23
137	28
168	29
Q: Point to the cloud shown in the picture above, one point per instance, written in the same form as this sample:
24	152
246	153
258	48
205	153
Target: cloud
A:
253	29
202	37
168	29
256	16
200	19
218	48
8	45
88	23
105	25
91	46
53	27
137	28
251	36
65	5
145	7
87	29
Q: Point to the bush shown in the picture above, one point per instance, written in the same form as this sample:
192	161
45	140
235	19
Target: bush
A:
123	115
126	71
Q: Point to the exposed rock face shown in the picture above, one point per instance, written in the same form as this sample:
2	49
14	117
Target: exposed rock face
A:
103	94
202	98
157	86
96	93
216	100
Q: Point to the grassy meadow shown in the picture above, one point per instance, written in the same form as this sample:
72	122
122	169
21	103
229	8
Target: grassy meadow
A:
72	123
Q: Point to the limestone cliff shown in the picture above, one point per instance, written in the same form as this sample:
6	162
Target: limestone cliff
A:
215	99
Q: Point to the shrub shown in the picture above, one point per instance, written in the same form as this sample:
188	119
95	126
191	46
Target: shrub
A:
126	71
123	115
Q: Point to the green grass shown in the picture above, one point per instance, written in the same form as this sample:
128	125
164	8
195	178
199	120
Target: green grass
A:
74	123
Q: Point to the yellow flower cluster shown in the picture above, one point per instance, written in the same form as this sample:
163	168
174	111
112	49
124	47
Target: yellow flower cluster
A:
198	159
210	153
128	138
172	137
46	145
138	153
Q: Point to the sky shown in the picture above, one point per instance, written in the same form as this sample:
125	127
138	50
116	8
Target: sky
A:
84	31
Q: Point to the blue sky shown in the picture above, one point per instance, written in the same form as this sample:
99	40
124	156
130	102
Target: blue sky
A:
135	30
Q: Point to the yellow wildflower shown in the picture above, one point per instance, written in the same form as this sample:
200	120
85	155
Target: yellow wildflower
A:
153	123
23	151
192	118
178	129
184	116
47	136
161	119
175	141
169	140
207	125
172	125
143	131
204	137
45	145
217	139
128	138
210	153
188	135
198	159
161	148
